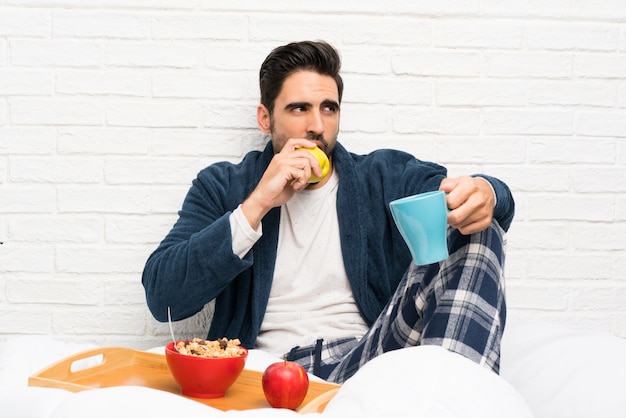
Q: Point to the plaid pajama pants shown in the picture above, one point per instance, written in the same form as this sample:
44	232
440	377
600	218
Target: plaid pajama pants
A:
457	304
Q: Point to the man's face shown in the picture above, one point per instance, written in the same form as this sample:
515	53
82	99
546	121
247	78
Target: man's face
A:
306	107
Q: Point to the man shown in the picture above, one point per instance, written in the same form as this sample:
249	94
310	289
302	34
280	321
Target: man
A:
318	271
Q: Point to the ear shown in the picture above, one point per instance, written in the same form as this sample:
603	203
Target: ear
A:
263	118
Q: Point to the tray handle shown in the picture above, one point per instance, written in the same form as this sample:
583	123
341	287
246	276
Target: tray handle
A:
67	369
318	404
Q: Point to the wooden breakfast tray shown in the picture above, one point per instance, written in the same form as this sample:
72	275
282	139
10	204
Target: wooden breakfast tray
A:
120	366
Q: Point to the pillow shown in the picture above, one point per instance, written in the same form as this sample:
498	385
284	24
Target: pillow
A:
136	401
30	402
129	401
563	372
426	382
24	356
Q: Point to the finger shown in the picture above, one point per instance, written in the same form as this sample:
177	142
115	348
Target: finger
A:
468	222
471	228
448	184
299	184
294	143
456	198
306	171
311	162
465	192
456	194
300	177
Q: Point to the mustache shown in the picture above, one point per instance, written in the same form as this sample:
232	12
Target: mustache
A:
312	136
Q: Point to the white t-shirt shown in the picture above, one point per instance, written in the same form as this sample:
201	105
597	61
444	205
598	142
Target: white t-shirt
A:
310	297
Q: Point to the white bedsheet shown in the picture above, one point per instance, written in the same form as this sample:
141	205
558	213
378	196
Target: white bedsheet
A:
547	371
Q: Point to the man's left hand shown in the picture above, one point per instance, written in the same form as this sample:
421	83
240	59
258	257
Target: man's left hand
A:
471	202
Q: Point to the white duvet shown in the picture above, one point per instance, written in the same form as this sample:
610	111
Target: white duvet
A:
547	372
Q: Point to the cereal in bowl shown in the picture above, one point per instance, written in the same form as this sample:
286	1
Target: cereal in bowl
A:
220	348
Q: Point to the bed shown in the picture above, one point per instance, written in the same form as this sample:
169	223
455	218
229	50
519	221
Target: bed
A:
547	371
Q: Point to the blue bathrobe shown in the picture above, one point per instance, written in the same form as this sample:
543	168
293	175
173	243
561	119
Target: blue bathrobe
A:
195	264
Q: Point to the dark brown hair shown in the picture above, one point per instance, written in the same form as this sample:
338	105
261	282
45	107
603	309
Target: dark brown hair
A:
283	61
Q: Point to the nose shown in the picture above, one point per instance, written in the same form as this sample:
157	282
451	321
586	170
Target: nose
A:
315	123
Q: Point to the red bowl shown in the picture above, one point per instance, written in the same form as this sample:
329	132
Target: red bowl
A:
203	377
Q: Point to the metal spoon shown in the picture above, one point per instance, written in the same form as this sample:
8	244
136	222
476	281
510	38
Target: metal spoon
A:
169	321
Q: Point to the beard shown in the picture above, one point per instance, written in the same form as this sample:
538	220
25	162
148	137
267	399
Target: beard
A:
279	140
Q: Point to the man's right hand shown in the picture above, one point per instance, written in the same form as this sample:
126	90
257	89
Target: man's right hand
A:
288	173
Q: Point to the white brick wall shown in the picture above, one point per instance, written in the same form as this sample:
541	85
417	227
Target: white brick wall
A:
108	109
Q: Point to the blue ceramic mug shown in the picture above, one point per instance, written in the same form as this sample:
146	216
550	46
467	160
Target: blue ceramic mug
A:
423	220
